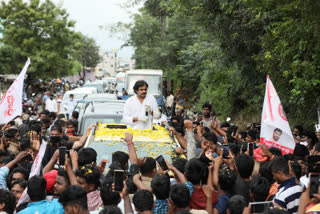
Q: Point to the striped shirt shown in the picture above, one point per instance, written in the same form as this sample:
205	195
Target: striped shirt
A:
4	171
288	195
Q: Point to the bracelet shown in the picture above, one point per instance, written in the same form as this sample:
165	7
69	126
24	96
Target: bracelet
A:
130	143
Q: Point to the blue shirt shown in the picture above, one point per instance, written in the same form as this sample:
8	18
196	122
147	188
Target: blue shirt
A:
161	206
4	171
160	101
43	207
125	97
222	204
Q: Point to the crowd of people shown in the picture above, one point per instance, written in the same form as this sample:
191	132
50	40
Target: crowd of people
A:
216	170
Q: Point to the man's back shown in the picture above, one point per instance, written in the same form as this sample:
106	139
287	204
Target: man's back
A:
288	195
43	207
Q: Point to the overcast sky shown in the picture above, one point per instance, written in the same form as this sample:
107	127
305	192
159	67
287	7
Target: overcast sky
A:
90	14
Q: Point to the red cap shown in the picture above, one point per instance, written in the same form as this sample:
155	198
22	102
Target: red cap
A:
258	154
51	180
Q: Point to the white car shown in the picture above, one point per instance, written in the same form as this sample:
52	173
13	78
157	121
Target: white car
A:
78	94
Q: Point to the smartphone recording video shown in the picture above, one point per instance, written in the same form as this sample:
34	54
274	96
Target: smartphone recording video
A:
118	177
314	183
251	147
162	163
62	155
225	153
259	207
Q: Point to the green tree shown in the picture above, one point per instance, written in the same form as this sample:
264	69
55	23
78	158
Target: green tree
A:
290	54
222	50
41	31
88	53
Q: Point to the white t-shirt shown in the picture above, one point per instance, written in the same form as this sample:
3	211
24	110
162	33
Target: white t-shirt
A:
163	118
51	105
169	100
133	108
193	211
69	105
304	181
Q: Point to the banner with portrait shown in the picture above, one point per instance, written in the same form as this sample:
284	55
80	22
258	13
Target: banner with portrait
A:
275	129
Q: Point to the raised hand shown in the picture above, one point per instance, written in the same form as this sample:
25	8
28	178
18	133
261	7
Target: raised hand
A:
34	141
21	156
128	137
102	165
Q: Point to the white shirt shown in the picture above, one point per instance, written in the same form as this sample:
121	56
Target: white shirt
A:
51	105
304	181
133	108
169	101
69	105
163	118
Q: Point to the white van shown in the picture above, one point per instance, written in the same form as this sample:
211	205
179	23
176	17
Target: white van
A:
152	77
121	82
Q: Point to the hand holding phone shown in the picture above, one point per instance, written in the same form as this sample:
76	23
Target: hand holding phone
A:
314	183
62	155
118	177
250	148
225	153
259	207
162	163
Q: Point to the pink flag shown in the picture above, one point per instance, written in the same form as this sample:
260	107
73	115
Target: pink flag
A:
275	129
11	103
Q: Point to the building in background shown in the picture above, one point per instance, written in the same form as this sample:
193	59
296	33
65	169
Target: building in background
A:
108	64
111	64
125	64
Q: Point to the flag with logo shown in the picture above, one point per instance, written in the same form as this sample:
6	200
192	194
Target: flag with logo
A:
11	103
275	129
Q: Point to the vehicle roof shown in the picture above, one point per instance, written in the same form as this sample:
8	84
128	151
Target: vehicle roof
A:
145	72
100	97
97	82
121	74
79	91
102	108
84	89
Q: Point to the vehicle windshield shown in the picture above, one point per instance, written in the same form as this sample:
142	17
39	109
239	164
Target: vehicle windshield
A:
153	81
120	87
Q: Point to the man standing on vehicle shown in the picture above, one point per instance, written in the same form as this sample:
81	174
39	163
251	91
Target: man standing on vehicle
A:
69	105
139	110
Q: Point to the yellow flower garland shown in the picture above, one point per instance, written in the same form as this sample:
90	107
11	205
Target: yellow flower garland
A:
160	134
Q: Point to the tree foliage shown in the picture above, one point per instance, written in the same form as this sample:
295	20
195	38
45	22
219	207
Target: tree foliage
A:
43	32
221	51
89	52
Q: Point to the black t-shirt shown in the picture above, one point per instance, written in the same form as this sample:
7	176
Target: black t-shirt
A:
65	137
51	148
241	187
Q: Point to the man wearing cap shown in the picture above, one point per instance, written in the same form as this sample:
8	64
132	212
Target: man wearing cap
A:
140	109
